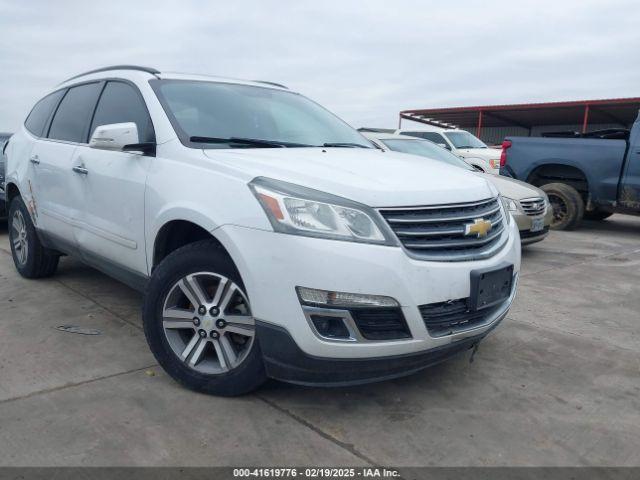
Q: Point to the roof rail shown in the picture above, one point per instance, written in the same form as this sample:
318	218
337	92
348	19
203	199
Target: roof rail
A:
152	71
271	83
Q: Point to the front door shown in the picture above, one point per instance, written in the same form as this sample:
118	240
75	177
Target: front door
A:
110	230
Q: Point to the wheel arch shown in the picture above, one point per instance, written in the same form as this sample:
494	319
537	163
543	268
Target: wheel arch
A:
560	173
177	233
12	191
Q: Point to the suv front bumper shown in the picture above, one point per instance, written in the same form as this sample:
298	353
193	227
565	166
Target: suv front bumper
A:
273	264
285	361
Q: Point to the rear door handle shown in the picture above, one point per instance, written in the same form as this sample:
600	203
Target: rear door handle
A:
35	160
81	170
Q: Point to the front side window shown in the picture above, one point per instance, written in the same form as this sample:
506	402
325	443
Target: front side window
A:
464	140
425	149
121	103
220	112
41	113
71	120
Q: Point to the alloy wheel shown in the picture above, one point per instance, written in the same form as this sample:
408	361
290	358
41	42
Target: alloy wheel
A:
19	237
207	321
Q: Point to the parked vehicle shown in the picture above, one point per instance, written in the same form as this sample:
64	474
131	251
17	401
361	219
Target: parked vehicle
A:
460	143
4	138
271	238
591	176
528	205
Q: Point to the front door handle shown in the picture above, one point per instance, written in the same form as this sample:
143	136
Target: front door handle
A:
81	170
35	160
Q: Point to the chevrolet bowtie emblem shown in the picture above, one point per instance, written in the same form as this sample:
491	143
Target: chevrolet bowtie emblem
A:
480	227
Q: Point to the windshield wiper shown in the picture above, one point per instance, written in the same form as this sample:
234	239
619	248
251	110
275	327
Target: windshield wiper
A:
247	141
344	144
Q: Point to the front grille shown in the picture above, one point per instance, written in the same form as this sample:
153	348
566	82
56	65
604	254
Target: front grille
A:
380	323
438	232
447	318
533	206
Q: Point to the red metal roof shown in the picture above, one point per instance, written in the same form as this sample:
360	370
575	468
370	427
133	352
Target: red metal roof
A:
622	111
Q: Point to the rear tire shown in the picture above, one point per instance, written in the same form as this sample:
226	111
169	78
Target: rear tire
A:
567	204
32	260
210	347
597	215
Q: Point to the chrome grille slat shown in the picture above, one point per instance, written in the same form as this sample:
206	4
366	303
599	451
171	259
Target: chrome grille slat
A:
436	232
460	243
533	206
440	206
413	218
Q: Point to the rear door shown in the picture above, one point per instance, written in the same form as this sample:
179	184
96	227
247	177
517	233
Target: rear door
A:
111	226
36	124
56	197
59	197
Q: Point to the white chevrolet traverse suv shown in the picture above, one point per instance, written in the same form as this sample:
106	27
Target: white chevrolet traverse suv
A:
269	237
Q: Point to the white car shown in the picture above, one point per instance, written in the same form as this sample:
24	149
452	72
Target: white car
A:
271	239
461	143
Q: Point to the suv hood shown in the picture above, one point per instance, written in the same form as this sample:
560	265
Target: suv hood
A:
514	189
372	177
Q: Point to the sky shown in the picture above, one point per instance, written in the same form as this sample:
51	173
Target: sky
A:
364	60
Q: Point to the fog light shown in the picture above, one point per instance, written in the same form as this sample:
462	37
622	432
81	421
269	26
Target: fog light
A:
330	327
327	298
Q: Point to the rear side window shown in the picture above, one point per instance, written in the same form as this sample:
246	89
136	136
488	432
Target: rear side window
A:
119	103
71	120
40	114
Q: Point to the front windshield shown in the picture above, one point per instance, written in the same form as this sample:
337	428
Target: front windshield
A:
425	148
464	140
211	114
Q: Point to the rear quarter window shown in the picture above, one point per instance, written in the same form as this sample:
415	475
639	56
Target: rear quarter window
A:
41	112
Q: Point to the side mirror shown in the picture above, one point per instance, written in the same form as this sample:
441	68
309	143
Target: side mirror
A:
119	137
444	145
114	136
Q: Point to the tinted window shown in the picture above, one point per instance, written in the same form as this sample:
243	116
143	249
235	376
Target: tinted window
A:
431	136
120	103
70	121
40	114
465	140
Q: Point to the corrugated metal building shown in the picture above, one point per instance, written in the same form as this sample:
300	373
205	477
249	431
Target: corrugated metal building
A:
492	123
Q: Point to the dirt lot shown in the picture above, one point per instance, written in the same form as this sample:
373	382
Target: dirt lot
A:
558	383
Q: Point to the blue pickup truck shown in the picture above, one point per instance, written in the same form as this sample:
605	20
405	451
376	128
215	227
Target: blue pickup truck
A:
593	175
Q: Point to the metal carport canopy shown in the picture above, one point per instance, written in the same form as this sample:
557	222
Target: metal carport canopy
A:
622	111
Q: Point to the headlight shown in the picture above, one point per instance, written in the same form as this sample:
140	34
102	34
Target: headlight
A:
303	211
510	204
546	201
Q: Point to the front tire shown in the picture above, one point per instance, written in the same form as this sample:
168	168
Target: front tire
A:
567	204
198	322
31	259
